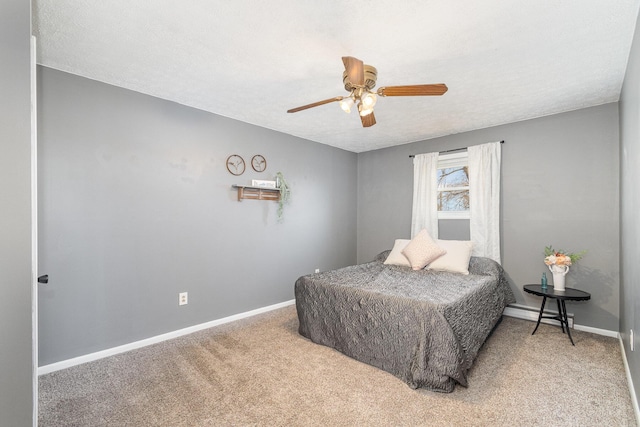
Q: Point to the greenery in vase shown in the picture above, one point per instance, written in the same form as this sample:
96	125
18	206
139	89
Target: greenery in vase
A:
561	257
285	194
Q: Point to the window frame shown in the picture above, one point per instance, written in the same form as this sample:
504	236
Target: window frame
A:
451	160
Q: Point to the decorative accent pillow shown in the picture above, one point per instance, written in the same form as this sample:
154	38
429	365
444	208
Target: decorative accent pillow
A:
456	260
396	257
422	250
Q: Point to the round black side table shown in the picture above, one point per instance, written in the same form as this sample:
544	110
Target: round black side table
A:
569	294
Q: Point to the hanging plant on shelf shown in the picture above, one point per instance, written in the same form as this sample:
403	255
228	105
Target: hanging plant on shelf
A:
285	194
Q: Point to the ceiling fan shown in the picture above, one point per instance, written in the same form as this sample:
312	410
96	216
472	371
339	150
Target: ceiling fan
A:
359	80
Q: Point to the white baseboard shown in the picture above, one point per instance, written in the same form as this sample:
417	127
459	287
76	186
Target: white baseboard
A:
531	313
158	338
632	391
597	331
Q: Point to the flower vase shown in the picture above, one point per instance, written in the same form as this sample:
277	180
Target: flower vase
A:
558	272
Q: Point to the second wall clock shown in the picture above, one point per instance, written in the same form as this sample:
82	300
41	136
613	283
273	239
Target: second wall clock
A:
258	163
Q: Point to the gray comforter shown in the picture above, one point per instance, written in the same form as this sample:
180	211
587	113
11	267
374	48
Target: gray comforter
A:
424	327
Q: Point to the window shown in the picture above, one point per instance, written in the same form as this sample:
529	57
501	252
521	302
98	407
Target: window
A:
453	186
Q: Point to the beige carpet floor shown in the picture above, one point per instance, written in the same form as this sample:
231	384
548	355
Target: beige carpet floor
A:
260	372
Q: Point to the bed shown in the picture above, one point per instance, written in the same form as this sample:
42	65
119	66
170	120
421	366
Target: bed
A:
425	327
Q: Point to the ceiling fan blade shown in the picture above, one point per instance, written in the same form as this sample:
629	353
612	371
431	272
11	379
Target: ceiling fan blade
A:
414	90
355	70
368	120
316	104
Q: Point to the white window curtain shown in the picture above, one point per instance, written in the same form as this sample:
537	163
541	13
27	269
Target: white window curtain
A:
425	203
484	199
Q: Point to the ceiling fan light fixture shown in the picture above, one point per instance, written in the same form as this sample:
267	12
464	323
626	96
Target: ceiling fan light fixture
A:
364	110
369	99
346	104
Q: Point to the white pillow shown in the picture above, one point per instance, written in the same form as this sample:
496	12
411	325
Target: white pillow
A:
422	250
456	260
396	257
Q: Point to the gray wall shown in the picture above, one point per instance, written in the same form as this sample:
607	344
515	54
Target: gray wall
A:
559	186
15	215
136	206
629	208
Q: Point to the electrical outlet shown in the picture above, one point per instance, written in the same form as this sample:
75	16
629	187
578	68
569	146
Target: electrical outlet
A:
317	270
183	298
631	341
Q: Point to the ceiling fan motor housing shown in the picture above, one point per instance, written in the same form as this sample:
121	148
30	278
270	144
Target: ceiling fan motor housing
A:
370	77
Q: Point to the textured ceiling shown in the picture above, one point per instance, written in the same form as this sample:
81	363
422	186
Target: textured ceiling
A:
250	60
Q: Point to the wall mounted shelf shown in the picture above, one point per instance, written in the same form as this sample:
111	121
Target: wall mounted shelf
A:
257	193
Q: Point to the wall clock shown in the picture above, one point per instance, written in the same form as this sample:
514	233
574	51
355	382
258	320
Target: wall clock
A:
235	164
258	163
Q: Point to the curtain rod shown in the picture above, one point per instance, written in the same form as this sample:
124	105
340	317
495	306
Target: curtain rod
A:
449	151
